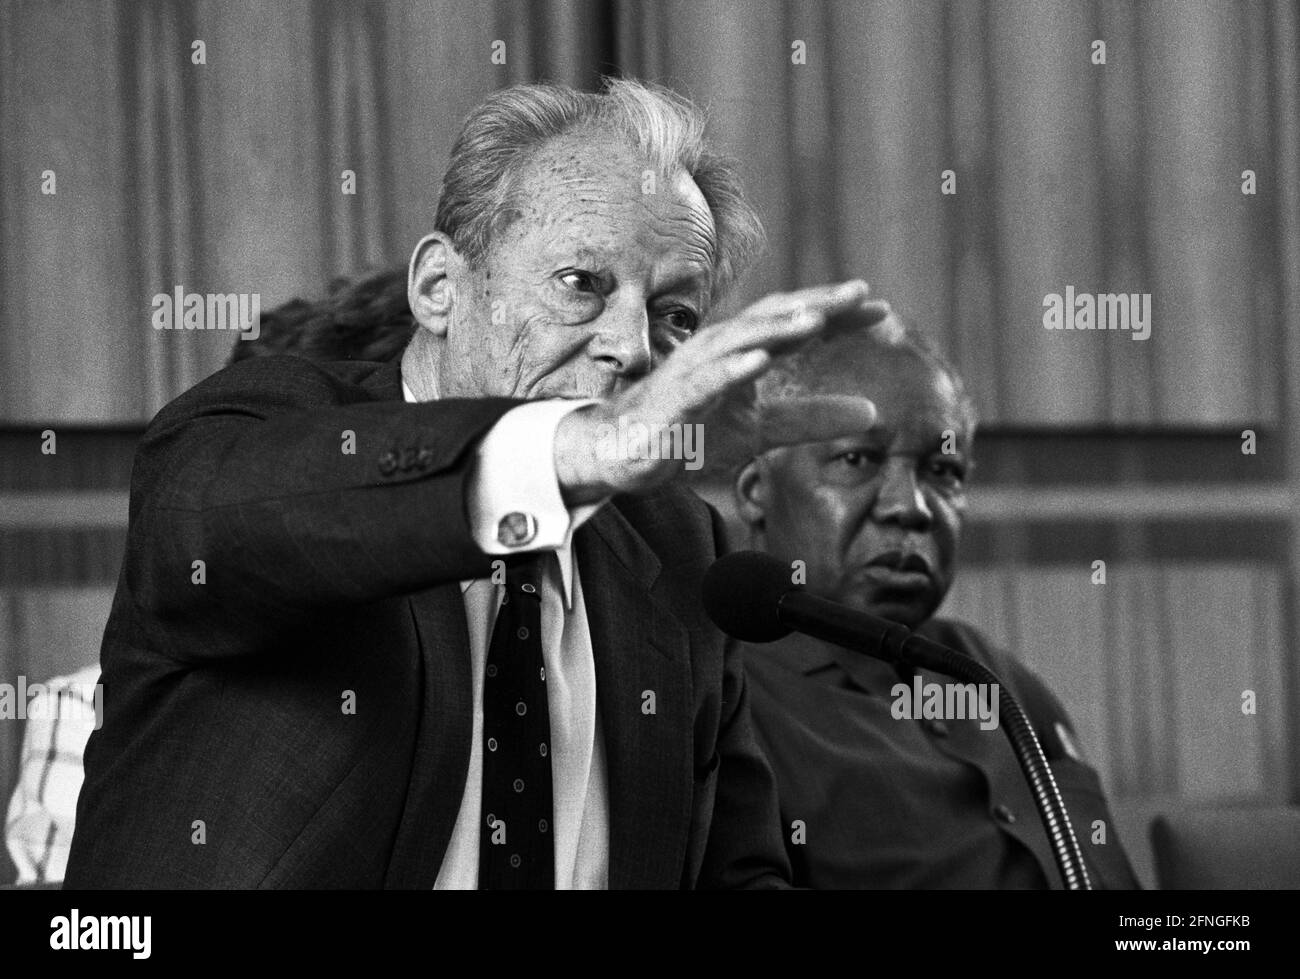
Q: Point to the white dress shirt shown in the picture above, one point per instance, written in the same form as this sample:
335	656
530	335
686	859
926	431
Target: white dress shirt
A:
515	474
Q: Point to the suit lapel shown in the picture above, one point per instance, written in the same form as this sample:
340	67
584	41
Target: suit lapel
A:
640	649
443	738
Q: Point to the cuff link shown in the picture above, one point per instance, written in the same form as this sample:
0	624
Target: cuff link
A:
516	529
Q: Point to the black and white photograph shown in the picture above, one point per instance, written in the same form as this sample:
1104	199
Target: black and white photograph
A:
490	445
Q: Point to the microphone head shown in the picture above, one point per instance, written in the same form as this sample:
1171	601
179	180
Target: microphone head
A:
743	592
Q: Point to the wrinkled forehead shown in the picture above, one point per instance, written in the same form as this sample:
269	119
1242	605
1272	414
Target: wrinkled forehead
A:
595	183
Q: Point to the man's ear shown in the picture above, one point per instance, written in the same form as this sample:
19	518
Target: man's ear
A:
430	286
751	489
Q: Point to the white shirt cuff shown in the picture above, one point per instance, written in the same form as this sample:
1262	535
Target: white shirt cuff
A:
514	500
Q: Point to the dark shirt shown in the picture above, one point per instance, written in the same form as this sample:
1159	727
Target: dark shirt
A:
913	803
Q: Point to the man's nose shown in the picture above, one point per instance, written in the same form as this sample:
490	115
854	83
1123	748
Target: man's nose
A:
622	340
900	499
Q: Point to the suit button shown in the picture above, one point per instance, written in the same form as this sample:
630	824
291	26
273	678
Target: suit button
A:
1004	814
388	463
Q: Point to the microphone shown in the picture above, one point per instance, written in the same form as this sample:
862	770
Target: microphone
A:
749	595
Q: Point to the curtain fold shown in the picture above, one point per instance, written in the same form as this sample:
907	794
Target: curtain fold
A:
229	176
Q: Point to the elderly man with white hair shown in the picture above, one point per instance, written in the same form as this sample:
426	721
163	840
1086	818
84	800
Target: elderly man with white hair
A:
414	625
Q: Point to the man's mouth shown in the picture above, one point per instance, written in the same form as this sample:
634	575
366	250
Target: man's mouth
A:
895	569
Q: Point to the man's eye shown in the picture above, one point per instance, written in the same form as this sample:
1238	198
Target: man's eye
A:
580	281
859	458
947	472
672	328
681	320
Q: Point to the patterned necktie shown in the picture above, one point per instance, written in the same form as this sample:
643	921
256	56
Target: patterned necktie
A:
516	851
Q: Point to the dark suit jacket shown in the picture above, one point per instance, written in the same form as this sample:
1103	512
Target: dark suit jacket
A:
329	575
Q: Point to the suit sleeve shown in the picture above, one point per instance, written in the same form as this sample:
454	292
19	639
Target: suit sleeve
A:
745	848
273	492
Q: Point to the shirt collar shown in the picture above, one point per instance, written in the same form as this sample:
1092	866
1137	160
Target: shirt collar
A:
564	555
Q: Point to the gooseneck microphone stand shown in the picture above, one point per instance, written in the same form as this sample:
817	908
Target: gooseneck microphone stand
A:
918	651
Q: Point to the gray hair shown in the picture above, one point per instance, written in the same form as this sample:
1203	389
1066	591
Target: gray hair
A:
837	351
500	135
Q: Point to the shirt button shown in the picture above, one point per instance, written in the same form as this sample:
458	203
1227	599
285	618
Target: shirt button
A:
516	529
522	633
519	785
492	744
542	825
1004	814
938	728
491	670
521	708
514	860
541	748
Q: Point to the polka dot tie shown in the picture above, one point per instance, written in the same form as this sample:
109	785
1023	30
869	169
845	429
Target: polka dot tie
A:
515	849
